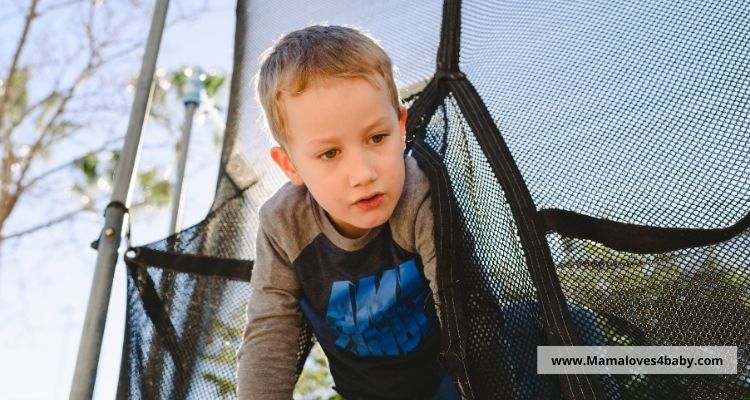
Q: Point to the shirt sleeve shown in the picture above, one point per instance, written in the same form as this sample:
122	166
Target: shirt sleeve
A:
424	241
267	357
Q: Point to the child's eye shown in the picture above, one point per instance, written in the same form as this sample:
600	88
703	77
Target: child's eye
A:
378	138
330	154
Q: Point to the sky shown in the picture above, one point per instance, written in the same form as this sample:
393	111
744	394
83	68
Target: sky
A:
45	279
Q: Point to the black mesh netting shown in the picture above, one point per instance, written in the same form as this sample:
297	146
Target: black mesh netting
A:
185	317
589	165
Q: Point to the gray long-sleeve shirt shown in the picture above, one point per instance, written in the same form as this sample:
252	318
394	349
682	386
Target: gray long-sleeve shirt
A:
370	300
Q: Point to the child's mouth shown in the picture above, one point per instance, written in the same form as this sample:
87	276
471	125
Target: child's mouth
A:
370	202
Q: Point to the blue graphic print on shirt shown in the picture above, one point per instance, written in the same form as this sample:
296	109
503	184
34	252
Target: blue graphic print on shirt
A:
389	318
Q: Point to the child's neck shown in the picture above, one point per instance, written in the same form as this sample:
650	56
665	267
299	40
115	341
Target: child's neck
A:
349	232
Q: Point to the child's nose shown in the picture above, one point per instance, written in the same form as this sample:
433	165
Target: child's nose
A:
361	169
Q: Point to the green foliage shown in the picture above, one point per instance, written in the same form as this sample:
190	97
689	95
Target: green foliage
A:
78	189
147	178
171	86
48	118
114	158
226	355
155	191
178	79
222	349
19	95
98	175
663	299
87	165
213	83
315	381
224	387
159	193
52	101
63	128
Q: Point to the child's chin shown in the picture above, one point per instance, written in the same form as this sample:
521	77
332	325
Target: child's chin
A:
374	223
370	221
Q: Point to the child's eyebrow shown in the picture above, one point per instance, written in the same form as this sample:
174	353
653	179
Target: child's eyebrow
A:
382	120
320	142
334	139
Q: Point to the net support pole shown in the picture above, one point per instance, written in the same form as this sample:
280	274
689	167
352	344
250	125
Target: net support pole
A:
84	376
191	99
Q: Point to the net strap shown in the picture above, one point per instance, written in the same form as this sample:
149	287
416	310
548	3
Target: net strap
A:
558	322
636	238
555	314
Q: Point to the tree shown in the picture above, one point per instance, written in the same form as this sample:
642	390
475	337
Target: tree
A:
70	64
63	100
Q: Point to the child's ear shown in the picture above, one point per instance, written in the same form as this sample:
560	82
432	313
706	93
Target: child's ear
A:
402	124
281	158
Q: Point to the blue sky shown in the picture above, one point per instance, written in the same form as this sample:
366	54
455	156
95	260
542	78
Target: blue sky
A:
45	278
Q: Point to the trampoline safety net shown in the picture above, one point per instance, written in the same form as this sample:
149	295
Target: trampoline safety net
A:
589	169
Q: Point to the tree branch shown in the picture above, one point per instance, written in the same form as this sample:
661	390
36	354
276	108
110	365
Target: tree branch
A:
9	130
62	218
6	202
17	55
52	222
62	4
45	130
53	122
68	164
10	199
39	144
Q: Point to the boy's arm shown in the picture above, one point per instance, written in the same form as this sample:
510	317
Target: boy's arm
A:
424	241
267	358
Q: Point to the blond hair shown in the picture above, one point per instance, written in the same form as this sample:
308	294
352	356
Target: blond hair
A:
303	56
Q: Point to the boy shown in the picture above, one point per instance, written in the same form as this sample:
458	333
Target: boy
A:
348	243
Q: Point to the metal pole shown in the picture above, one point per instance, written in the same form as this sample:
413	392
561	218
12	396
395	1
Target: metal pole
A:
191	99
87	363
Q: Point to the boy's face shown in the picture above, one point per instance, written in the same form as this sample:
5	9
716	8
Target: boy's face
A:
345	143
